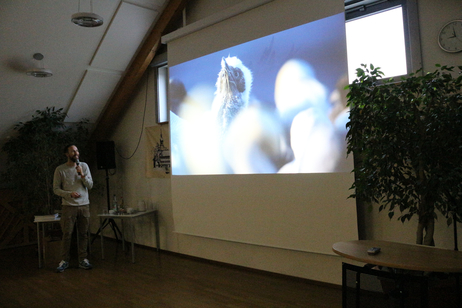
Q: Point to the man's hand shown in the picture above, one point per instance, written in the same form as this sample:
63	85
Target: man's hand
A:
75	195
79	170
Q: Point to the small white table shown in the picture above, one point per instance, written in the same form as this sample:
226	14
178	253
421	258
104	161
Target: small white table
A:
130	217
43	219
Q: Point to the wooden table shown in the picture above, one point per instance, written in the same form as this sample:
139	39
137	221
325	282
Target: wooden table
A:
130	217
402	256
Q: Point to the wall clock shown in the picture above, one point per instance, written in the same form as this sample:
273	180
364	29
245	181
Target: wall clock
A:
450	36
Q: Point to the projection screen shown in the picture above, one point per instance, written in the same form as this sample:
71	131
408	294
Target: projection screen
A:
257	125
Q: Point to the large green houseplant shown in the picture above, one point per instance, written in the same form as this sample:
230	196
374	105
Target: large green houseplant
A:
407	138
34	153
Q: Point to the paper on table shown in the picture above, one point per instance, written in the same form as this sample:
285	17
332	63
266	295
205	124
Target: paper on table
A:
47	217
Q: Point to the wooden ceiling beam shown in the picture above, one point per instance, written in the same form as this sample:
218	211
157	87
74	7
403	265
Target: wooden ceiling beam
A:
124	91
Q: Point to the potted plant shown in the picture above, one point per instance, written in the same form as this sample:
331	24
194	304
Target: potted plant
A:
34	153
407	140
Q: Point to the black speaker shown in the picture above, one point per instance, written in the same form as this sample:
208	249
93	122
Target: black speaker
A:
105	155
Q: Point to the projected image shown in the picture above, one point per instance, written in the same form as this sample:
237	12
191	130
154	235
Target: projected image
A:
272	105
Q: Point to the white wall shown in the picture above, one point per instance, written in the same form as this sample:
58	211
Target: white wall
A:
433	16
130	181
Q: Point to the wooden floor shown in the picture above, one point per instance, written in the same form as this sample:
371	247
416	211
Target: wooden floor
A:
155	280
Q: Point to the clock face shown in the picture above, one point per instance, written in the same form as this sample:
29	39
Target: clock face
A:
450	36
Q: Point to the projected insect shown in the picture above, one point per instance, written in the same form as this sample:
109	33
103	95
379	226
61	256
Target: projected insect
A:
271	105
233	91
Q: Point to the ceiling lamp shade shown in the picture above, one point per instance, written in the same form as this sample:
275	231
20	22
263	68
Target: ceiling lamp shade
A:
87	19
40	71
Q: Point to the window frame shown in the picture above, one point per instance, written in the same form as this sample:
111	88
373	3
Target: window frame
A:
355	9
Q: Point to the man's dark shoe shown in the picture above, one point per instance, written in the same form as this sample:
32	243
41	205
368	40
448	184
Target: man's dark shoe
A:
85	264
62	266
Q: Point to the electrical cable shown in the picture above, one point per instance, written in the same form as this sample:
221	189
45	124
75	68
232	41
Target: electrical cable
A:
142	124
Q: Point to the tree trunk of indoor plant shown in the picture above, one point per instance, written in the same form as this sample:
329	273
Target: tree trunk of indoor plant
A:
425	231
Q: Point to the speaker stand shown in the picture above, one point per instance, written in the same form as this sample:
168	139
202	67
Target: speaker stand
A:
108	221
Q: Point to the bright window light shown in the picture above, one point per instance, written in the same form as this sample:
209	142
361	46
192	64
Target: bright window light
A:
377	39
162	84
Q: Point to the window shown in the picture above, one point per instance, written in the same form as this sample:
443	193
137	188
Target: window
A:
162	89
379	33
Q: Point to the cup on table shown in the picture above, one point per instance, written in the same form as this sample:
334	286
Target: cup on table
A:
141	206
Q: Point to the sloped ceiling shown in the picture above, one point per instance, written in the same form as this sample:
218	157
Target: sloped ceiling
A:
111	58
87	63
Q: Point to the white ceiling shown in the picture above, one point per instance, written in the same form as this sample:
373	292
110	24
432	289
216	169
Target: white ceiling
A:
87	63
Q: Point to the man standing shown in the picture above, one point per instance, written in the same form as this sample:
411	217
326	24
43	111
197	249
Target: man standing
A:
71	182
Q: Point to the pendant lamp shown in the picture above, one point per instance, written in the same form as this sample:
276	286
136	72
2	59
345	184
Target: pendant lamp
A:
40	71
87	19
